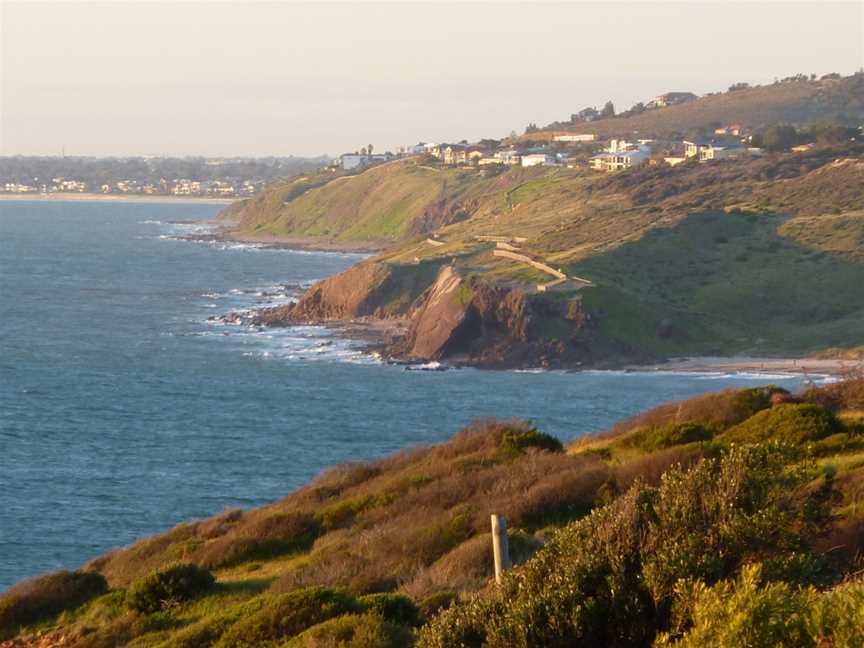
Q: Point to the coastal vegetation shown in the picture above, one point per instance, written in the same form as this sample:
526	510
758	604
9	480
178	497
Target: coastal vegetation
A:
733	518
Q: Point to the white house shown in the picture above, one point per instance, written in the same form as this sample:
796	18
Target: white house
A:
510	156
350	161
538	159
589	137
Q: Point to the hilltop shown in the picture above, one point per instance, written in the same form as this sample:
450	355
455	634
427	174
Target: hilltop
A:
799	101
741	504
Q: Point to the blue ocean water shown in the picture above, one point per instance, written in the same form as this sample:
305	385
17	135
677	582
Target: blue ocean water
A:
124	410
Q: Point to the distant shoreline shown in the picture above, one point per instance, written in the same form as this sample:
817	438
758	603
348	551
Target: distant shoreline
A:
91	197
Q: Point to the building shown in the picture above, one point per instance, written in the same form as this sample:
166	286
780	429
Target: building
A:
619	161
736	130
674	160
588	137
620	155
350	161
454	154
707	150
538	159
671	99
508	156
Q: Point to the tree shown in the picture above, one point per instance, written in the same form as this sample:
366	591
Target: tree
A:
780	138
369	148
608	110
742	85
531	128
588	114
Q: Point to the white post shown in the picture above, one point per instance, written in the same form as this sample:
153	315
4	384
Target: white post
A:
500	548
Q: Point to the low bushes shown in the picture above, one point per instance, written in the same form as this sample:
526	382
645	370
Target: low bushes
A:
287	615
673	434
168	587
354	631
721	409
394	607
750	612
46	596
610	578
790	423
259	538
516	440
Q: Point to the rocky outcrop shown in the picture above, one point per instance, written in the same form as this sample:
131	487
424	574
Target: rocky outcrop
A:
457	319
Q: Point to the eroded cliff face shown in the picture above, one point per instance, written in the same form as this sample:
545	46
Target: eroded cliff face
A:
457	319
365	290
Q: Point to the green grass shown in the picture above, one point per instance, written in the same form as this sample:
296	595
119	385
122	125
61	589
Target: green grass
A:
727	283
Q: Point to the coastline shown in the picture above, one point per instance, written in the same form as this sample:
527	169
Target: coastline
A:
307	243
90	197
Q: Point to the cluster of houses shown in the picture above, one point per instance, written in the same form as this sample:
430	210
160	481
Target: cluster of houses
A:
618	155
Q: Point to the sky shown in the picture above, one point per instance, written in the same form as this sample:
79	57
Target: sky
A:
293	78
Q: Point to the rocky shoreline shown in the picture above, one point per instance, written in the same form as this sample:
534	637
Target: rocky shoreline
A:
457	322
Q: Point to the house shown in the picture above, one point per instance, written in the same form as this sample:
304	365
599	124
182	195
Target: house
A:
674	160
508	156
588	137
671	99
454	154
538	159
350	161
421	148
620	155
732	129
706	150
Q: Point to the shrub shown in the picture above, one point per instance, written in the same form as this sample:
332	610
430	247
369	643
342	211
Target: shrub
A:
675	434
342	513
170	586
354	631
46	596
722	409
794	423
257	539
397	608
516	440
433	604
610	578
750	612
287	615
206	631
741	613
846	394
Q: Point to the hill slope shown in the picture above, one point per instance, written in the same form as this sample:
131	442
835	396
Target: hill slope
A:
624	520
757	256
792	102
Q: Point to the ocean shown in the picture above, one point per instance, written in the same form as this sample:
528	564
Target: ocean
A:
127	406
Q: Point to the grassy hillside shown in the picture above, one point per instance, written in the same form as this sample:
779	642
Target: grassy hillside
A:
639	535
761	256
795	102
387	203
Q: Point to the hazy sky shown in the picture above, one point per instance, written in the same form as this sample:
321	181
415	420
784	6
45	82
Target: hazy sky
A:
279	78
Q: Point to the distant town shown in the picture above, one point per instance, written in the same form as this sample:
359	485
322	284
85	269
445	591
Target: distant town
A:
153	176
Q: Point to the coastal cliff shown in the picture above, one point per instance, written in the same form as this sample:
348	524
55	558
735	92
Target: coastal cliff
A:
439	314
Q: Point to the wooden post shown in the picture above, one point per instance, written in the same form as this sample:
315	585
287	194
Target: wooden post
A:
500	548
